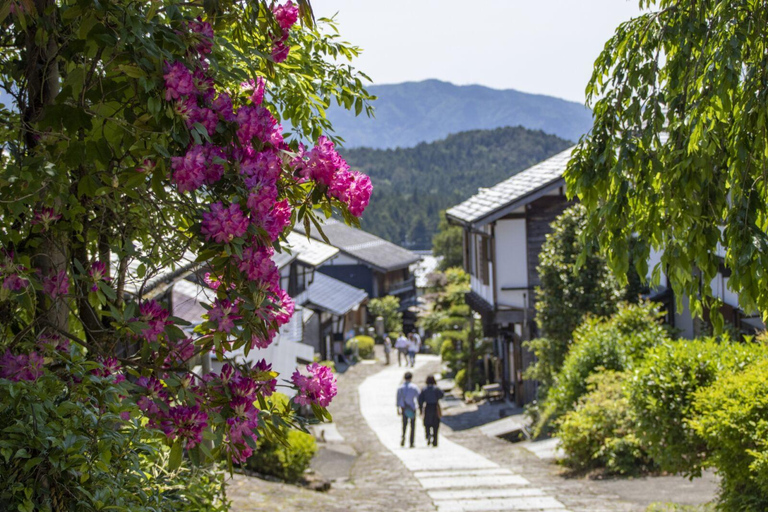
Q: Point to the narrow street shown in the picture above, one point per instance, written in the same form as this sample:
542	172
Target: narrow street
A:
468	471
456	478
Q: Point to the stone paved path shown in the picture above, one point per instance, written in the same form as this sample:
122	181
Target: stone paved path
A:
456	478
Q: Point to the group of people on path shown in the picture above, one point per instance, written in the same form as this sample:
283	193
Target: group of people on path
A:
408	394
407	348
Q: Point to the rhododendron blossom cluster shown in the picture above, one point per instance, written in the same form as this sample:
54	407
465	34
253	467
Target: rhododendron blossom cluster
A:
239	185
318	387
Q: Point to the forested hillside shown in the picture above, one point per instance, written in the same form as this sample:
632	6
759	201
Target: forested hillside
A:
412	185
413	112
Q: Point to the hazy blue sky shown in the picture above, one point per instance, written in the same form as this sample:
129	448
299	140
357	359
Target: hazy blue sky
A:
538	46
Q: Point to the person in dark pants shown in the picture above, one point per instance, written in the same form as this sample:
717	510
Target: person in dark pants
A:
429	405
407	394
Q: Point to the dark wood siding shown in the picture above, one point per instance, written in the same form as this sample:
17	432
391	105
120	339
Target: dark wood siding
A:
540	215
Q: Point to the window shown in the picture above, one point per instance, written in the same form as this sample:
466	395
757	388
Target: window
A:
484	243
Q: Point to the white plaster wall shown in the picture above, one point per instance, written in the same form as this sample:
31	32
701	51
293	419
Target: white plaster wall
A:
512	262
342	259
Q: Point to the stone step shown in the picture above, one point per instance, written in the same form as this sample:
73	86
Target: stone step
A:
463	472
458	482
498	492
528	504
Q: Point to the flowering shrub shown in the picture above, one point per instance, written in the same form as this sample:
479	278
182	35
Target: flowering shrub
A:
154	131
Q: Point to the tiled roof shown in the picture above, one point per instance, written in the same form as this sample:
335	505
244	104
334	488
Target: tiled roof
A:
331	295
364	246
512	191
310	252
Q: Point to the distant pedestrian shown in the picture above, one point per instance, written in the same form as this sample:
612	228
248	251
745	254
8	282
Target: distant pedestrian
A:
412	348
401	345
429	406
387	348
407	394
417	343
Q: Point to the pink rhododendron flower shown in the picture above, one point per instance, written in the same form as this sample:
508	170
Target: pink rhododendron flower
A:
277	220
280	52
222	105
260	373
257	265
214	169
261	341
180	352
204	36
154	393
287	306
319	387
56	284
359	194
223	224
110	367
147	166
224	313
263	167
15	283
179	81
205	86
323	162
155	316
98	272
257	88
213	282
242	426
186	423
258	122
205	116
45	217
189	170
52	341
286	15
21	367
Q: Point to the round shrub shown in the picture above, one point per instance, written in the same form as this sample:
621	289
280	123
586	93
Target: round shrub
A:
732	419
661	395
615	344
285	462
461	378
598	432
364	344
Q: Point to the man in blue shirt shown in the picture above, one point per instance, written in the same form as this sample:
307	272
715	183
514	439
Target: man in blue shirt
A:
407	394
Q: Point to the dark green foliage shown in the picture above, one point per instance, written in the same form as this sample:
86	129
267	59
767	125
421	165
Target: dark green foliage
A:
677	152
65	446
732	419
412	186
285	462
414	112
364	345
614	343
387	308
448	243
568	292
662	390
598	433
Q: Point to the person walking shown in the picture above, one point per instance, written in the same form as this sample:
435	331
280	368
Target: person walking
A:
417	344
387	348
407	394
411	350
429	406
401	345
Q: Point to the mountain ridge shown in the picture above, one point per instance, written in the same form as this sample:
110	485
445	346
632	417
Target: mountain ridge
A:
426	111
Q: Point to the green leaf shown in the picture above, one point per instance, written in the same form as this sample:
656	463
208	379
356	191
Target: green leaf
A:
174	460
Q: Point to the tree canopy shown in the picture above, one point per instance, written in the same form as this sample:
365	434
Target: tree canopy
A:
678	153
145	140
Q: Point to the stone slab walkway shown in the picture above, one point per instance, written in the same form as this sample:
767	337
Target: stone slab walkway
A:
456	478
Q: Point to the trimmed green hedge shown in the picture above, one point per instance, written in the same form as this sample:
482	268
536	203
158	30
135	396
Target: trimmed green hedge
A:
732	419
615	343
364	344
598	433
662	390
